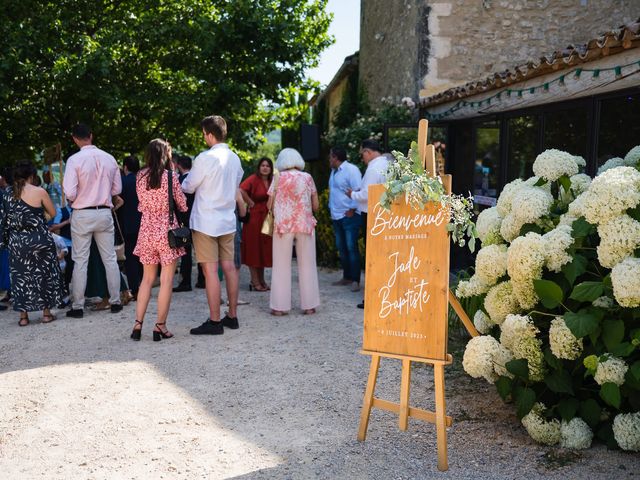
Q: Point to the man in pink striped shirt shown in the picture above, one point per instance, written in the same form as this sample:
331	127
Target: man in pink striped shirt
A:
91	178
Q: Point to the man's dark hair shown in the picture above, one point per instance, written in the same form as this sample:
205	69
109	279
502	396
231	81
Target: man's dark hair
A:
185	162
371	144
81	131
132	163
216	126
340	153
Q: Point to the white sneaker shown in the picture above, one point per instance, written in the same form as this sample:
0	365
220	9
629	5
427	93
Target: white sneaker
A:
355	287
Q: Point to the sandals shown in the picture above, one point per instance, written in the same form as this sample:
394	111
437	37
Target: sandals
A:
278	313
136	332
101	306
160	334
258	288
309	311
24	321
50	318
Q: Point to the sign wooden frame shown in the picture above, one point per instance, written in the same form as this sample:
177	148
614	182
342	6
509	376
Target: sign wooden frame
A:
403	409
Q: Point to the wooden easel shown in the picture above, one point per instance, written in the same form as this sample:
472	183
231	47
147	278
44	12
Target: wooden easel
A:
403	409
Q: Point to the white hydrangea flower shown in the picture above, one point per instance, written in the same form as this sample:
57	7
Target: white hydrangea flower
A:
516	327
552	164
576	208
604	302
531	350
472	287
510	228
625	277
501	302
503	204
500	359
530	204
575	434
538	428
525	293
491	263
619	237
626	431
482	322
526	257
611	194
580	161
557	241
611	163
580	183
632	157
613	370
480	356
564	344
488	226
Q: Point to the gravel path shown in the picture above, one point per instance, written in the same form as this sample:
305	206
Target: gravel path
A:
278	398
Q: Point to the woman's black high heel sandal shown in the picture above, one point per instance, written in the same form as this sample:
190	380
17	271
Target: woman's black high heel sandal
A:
135	334
159	334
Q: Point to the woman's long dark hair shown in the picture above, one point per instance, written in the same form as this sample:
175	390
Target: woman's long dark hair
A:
270	162
157	158
22	172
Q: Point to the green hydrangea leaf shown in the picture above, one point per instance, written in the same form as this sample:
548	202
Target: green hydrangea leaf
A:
624	349
565	182
551	359
610	393
574	269
525	398
582	323
590	412
567	408
587	291
559	381
612	333
581	228
549	292
541	181
519	367
504	385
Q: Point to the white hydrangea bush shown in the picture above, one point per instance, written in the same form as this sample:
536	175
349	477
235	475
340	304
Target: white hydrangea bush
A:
555	295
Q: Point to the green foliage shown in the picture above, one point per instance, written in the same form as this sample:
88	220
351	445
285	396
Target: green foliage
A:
326	253
137	70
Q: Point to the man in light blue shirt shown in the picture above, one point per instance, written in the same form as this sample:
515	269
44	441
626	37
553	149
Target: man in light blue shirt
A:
345	215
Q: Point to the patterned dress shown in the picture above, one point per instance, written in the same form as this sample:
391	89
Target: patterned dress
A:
36	279
153	244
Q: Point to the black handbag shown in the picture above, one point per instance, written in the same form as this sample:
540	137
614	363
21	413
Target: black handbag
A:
181	236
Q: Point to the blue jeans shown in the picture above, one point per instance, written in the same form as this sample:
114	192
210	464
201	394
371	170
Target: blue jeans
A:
347	231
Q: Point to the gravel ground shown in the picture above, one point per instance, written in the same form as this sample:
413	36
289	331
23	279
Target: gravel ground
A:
278	398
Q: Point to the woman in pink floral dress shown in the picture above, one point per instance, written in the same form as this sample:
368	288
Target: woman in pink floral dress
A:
293	198
152	186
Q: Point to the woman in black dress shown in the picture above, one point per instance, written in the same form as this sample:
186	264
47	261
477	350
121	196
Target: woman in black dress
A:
36	279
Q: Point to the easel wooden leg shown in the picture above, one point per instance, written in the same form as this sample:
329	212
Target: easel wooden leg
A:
441	427
405	384
368	397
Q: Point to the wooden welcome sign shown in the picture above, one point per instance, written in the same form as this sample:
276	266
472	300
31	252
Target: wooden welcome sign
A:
407	299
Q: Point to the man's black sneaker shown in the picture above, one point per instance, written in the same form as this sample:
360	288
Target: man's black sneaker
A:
182	288
116	307
230	322
75	313
208	328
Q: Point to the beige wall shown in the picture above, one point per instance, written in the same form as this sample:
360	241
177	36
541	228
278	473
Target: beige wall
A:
409	47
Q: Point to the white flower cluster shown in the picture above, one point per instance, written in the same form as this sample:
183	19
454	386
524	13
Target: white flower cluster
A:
564	344
580	183
485	357
518	334
408	102
575	434
472	287
619	237
540	429
528	205
625	278
604	302
488	226
611	194
503	206
500	302
525	258
557	241
632	157
553	164
482	322
491	263
611	163
613	370
580	161
626	431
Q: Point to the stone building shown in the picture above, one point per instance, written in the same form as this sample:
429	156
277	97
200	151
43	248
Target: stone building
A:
418	48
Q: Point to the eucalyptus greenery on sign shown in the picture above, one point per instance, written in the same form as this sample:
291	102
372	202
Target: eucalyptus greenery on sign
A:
407	176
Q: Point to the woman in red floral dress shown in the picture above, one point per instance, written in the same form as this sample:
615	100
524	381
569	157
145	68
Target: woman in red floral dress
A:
152	186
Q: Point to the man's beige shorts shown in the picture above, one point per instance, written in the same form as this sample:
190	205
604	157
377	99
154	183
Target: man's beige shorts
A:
211	249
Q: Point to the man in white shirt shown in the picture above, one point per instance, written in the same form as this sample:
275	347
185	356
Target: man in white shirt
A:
214	178
91	179
376	163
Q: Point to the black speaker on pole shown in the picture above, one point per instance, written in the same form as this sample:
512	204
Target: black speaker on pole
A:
310	142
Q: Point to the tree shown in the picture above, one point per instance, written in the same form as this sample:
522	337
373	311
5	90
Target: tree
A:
139	69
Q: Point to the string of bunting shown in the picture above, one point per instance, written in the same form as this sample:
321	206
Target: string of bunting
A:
573	74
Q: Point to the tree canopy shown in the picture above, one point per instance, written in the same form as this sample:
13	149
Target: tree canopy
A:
139	69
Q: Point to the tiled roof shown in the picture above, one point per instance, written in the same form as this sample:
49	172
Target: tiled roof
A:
609	43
